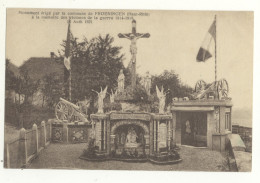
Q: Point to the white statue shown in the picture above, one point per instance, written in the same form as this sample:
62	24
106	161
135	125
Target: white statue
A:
121	81
101	96
147	83
161	95
131	138
133	38
112	96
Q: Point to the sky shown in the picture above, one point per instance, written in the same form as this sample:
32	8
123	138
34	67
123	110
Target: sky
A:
176	37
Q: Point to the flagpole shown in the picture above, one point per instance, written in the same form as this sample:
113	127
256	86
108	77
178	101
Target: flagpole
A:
216	55
70	86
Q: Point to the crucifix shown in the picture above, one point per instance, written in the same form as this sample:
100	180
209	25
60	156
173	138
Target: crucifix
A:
133	36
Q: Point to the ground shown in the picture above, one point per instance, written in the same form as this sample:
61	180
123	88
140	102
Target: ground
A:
66	156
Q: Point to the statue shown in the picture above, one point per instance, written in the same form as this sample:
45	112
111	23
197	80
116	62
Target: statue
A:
112	96
121	81
101	96
133	37
131	138
147	83
161	95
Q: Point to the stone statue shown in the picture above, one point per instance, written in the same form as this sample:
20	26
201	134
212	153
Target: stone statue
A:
131	138
147	83
112	96
101	96
133	37
161	95
121	81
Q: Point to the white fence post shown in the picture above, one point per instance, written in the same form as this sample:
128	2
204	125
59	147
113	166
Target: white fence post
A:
35	140
7	156
43	134
22	153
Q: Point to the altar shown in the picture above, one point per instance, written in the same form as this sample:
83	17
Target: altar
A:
125	132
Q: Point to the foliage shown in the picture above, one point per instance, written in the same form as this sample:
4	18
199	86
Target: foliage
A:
9	77
170	81
140	95
95	63
51	89
26	85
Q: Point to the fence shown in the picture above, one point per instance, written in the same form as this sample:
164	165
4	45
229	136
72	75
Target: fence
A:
21	151
246	135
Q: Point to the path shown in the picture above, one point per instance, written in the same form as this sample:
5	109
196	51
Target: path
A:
66	156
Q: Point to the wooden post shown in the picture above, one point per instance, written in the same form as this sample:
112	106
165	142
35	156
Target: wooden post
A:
35	140
7	156
43	134
50	130
22	152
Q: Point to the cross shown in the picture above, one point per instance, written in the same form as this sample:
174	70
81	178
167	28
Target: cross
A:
133	36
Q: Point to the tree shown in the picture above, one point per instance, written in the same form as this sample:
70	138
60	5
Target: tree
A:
171	82
95	63
9	77
26	85
51	89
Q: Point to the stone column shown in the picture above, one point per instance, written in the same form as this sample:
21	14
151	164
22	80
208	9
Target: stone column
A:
158	134
98	133
112	142
108	137
169	134
151	137
174	127
154	136
147	144
65	132
105	129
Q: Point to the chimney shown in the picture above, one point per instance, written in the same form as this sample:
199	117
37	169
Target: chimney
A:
52	54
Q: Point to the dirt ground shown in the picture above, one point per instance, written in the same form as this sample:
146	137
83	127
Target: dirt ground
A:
66	156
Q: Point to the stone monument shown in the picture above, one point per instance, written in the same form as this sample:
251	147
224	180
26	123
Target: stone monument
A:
133	37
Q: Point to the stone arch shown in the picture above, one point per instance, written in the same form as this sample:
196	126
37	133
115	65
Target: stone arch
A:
137	123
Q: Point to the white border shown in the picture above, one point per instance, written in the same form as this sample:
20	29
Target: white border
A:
130	176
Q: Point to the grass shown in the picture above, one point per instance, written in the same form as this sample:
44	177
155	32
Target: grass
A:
66	156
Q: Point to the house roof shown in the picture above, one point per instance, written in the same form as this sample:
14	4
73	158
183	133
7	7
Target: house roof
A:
38	67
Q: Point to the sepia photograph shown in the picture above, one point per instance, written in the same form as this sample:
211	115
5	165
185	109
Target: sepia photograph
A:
115	89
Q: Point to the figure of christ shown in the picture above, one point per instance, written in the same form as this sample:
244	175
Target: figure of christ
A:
133	37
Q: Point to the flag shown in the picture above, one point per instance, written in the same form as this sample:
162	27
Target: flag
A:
204	52
67	56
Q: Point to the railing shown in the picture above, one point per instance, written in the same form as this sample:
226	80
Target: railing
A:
246	135
21	151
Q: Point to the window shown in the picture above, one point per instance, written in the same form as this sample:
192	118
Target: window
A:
227	121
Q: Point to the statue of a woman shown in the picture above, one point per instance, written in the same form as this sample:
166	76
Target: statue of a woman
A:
121	81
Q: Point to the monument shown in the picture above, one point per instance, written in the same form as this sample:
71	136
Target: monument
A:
133	37
130	133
